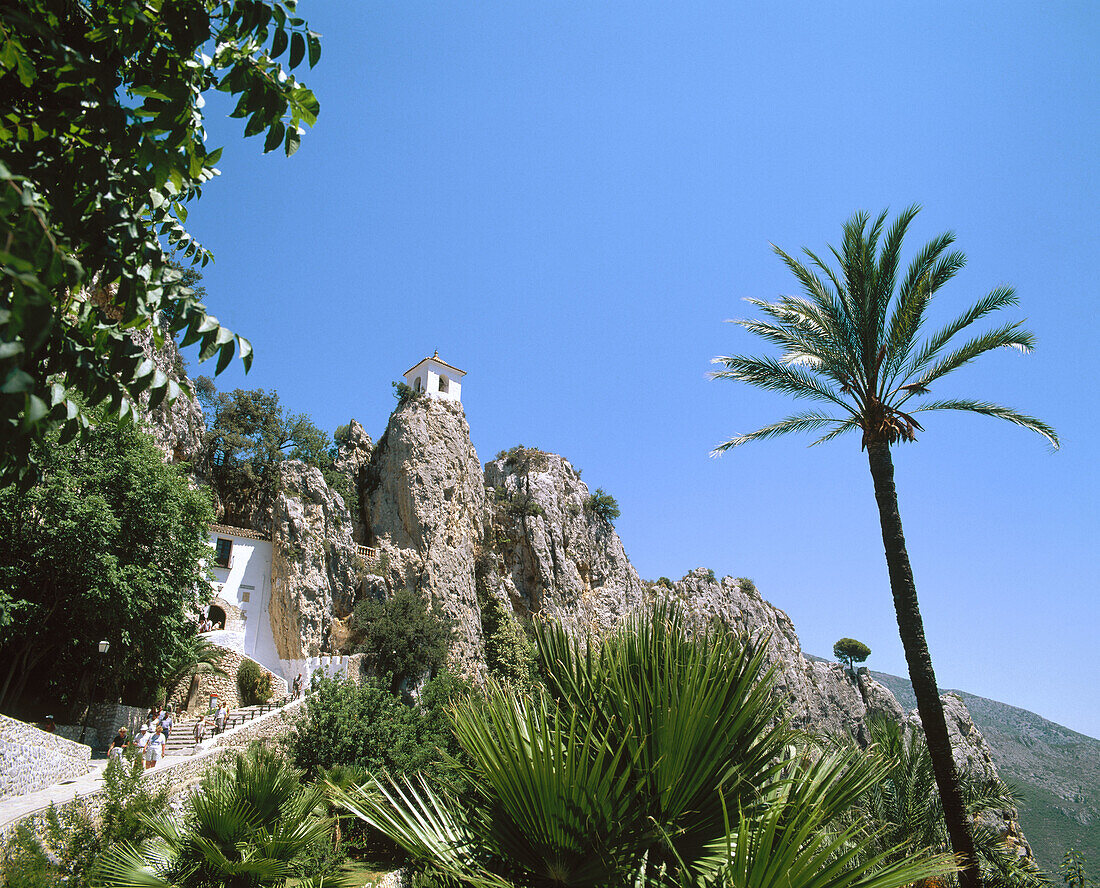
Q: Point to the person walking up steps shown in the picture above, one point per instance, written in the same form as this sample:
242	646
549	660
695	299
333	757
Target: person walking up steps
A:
154	749
118	745
219	718
298	686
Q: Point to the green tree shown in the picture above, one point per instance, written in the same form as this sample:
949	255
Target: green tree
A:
603	505
656	759
401	638
195	656
852	344
367	726
107	545
248	435
102	148
849	652
252	824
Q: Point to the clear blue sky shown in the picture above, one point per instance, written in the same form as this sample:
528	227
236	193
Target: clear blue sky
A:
567	199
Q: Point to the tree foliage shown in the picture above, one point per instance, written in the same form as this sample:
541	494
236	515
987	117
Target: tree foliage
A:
401	638
905	804
102	149
603	505
849	652
107	545
248	434
368	726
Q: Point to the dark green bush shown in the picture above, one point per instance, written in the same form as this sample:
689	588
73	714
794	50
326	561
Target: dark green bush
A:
400	638
369	727
525	459
665	581
404	393
509	653
254	683
603	505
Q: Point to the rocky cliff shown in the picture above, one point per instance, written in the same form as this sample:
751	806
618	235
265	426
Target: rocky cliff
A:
316	569
547	551
423	507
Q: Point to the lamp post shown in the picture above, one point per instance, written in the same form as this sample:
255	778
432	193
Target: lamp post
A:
104	646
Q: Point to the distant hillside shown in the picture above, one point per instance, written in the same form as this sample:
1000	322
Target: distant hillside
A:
1055	770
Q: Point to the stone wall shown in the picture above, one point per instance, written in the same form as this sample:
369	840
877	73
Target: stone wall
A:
268	726
32	759
107	718
225	686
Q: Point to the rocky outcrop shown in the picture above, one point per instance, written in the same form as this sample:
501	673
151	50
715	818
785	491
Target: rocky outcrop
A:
423	505
316	569
819	696
549	552
353	453
177	427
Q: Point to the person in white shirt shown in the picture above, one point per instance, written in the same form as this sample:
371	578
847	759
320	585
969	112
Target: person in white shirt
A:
154	748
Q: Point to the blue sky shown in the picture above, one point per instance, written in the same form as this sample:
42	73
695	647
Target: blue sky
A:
567	200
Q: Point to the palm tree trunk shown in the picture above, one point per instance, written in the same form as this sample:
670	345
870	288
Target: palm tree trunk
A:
921	674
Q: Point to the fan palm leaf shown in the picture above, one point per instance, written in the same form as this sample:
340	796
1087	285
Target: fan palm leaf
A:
249	825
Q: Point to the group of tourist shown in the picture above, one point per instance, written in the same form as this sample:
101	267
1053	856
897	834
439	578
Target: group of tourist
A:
208	625
153	735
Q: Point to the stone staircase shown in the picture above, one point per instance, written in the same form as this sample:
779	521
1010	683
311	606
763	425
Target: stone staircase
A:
182	739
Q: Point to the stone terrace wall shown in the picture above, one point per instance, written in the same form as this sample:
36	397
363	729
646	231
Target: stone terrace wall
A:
267	727
225	686
32	759
107	718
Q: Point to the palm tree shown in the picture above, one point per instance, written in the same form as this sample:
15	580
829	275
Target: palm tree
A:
196	656
852	343
250	825
658	758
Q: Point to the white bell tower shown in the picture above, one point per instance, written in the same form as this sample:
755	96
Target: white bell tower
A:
434	376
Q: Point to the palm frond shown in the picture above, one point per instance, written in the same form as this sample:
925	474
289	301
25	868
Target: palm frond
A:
800	422
770	374
1001	297
985	408
1006	336
848	425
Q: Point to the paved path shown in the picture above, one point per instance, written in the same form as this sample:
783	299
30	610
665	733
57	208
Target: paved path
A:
16	807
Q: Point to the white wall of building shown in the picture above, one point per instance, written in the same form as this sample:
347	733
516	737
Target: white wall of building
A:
425	377
246	584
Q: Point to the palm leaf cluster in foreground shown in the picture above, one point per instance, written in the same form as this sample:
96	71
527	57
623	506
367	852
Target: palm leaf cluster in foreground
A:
656	757
248	825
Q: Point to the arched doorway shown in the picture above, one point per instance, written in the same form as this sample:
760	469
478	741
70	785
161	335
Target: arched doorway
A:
216	615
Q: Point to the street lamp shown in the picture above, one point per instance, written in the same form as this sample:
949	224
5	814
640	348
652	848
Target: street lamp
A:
104	646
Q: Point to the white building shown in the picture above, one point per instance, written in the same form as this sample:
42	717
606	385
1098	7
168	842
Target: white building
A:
436	377
241	607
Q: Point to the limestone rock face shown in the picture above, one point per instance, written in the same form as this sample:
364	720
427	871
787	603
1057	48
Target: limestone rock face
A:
820	696
352	458
177	428
316	567
423	505
552	555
